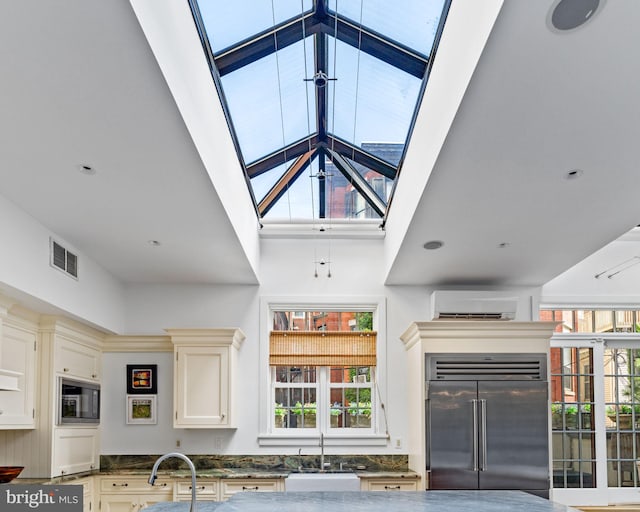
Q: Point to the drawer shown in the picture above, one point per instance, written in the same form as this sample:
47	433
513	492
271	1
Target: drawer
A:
135	484
205	490
391	485
233	486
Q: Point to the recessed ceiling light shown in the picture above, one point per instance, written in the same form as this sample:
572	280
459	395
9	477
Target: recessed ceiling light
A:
570	14
573	174
154	243
433	244
87	169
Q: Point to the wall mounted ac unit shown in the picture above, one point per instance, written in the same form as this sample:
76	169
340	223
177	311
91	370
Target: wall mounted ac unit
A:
472	305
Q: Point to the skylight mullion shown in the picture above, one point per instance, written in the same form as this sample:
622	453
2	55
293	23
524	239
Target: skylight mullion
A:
362	157
263	44
281	156
287	179
359	183
377	46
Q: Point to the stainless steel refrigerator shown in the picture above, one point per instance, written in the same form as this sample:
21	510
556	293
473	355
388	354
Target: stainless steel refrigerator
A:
487	422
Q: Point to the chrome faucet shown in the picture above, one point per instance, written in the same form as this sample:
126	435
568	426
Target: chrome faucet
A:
154	474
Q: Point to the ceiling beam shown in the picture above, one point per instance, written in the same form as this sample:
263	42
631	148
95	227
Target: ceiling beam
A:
285	181
358	182
361	157
281	156
266	43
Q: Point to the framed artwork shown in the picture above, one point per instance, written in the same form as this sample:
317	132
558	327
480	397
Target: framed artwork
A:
141	410
142	379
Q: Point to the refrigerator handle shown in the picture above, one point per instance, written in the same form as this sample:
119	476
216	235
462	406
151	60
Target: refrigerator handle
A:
483	434
474	433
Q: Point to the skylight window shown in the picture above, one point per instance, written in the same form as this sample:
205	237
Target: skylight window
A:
320	96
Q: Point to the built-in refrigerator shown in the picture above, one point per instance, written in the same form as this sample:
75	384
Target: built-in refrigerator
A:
487	422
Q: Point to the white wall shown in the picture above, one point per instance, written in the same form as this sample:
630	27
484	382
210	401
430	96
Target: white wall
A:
287	271
96	297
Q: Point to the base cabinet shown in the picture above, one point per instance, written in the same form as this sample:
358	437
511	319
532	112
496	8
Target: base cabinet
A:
132	494
231	486
206	490
388	484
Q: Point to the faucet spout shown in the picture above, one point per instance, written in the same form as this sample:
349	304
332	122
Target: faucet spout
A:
154	474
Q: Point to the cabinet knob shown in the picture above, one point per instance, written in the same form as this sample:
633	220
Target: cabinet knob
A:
65	369
94	376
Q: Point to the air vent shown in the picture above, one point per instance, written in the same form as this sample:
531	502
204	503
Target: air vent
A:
473	316
487	367
64	260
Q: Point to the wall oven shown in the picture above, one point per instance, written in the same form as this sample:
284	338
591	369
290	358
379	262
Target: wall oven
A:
78	402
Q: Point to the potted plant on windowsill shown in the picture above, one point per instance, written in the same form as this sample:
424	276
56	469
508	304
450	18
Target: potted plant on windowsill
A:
305	414
360	414
624	416
335	417
279	413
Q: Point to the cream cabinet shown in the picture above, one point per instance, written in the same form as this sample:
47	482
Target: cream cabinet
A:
75	450
206	490
231	486
18	353
204	374
87	493
388	484
131	494
76	360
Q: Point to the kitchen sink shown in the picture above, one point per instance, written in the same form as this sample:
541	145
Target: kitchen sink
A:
322	481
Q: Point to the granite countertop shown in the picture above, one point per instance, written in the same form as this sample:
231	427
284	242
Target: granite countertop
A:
440	501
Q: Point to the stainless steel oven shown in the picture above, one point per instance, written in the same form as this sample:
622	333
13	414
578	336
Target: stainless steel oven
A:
78	402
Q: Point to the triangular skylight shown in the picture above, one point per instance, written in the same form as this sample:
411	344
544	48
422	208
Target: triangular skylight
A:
320	96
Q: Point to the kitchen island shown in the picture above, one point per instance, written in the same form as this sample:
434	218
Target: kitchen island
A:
422	501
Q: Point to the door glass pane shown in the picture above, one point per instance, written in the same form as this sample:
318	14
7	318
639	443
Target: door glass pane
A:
572	417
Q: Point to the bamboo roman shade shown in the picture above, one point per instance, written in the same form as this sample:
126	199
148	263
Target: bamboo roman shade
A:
322	348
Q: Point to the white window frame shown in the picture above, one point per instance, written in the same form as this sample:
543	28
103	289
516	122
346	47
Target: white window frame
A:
375	436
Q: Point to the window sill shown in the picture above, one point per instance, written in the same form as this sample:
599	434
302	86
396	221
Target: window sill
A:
313	438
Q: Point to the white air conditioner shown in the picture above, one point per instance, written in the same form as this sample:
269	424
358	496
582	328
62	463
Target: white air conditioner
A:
472	305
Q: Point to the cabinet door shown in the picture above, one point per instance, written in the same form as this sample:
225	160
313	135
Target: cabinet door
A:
390	484
77	360
231	486
146	500
201	387
75	450
119	503
18	355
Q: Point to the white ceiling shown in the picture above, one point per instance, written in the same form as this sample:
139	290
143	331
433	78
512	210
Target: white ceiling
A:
80	85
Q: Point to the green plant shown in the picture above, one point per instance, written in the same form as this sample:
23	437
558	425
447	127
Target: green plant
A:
623	409
335	412
360	408
308	408
571	410
279	410
556	408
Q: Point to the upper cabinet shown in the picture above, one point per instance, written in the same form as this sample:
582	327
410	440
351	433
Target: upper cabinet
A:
74	359
204	375
18	349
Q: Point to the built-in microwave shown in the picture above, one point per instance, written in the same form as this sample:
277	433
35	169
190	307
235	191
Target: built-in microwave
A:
79	402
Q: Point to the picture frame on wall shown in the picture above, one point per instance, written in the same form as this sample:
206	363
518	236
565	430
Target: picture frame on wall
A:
142	379
141	410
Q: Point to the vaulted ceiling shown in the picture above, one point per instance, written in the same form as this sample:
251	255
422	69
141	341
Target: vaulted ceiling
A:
491	177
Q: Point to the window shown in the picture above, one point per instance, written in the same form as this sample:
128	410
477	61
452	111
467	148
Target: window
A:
323	373
320	381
